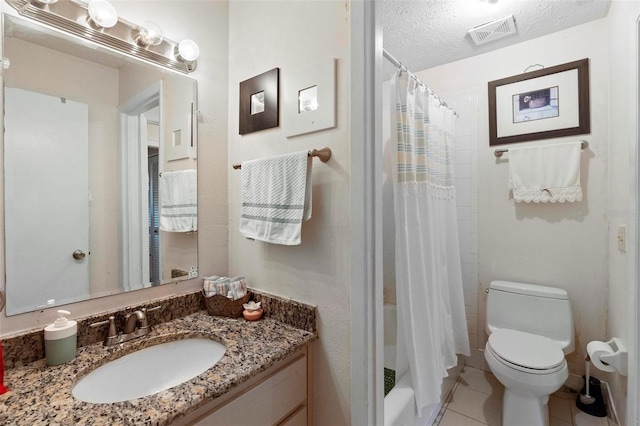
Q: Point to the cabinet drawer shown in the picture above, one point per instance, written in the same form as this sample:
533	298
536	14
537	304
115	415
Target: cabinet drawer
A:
299	418
268	402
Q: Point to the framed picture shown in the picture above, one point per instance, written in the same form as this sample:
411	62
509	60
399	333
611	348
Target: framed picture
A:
309	99
259	108
547	103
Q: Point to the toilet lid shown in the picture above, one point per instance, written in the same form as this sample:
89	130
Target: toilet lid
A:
526	349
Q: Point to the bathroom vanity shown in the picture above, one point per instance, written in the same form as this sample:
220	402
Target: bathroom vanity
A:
264	377
280	395
134	121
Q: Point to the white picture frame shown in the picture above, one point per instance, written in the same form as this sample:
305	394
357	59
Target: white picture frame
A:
310	99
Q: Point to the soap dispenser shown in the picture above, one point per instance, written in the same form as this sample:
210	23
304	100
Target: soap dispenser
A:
60	339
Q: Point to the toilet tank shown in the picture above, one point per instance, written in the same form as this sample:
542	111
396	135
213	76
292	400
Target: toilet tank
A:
531	308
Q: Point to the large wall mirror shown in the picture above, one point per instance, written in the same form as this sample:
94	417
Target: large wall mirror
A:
99	170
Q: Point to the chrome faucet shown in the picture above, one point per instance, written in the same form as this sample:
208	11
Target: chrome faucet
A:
135	325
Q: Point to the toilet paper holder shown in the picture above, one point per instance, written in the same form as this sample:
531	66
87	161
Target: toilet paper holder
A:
619	358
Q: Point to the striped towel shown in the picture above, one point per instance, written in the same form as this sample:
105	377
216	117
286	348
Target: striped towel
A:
179	201
276	198
233	288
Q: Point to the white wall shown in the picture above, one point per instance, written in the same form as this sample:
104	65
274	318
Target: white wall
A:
623	58
465	103
206	23
293	35
562	245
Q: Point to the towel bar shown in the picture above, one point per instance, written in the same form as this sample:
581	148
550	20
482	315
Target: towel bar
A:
324	154
498	152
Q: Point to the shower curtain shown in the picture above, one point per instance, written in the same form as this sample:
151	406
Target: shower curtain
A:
432	326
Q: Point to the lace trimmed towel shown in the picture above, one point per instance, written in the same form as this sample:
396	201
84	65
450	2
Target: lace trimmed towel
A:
545	174
276	198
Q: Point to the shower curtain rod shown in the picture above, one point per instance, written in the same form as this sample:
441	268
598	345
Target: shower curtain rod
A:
388	56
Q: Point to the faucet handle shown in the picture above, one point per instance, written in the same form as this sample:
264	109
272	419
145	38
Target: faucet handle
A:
144	322
112	324
112	327
98	324
155	308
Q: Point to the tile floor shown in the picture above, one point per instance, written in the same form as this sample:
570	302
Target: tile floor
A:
477	400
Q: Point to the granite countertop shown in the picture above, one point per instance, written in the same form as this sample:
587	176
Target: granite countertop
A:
41	394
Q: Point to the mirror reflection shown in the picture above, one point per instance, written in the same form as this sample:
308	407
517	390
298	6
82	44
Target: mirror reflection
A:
257	103
308	99
100	170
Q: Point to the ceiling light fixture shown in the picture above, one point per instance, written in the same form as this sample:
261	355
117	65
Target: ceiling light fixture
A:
47	1
102	13
149	34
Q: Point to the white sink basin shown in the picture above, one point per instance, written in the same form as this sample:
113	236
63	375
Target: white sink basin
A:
149	370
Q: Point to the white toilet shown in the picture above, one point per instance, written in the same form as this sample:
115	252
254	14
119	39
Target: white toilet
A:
530	330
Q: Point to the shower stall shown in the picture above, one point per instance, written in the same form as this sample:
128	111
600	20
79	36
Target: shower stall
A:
399	399
424	313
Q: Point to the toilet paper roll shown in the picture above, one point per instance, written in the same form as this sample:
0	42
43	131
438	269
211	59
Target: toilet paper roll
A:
595	350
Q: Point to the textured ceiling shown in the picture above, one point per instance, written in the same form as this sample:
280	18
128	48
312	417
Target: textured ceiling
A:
425	33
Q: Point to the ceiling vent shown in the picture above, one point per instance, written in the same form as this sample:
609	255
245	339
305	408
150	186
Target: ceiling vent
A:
493	30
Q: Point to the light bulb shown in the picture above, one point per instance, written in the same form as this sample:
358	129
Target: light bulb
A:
149	34
102	13
188	51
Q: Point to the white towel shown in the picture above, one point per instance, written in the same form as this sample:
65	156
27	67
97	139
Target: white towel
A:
276	198
548	173
179	201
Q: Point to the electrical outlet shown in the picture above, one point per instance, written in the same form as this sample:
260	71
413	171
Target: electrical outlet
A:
193	272
622	238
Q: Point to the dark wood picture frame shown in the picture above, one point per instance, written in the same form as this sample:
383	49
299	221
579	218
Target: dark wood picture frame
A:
582	110
267	83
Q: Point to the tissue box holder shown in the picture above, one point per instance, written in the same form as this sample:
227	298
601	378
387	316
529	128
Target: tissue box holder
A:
222	306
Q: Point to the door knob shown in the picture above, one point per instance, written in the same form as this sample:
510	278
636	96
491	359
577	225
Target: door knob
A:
78	254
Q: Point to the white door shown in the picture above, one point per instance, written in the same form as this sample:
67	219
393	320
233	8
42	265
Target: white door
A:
46	163
134	188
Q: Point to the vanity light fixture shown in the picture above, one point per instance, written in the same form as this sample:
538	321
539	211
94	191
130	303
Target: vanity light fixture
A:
102	13
99	23
187	51
149	34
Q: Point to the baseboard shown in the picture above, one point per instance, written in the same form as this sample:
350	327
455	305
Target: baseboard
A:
612	413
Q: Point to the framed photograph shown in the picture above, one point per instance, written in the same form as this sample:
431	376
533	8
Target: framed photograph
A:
309	99
259	107
547	103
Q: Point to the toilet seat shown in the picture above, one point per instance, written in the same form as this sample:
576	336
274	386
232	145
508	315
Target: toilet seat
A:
526	352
